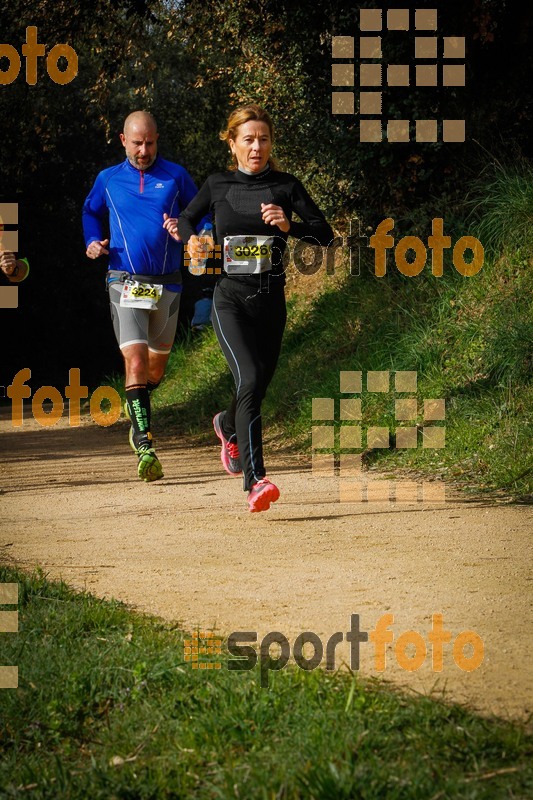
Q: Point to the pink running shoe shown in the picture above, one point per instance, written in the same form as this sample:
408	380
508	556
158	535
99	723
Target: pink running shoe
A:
262	494
229	453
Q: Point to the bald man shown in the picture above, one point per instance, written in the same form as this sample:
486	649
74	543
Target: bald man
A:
140	199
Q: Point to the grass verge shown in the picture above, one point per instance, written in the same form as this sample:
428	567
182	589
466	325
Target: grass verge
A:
108	708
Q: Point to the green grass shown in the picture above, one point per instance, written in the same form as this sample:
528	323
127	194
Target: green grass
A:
501	204
108	708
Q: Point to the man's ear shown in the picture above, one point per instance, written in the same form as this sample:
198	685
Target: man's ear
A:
123	139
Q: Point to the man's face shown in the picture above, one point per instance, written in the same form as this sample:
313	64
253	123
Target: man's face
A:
140	144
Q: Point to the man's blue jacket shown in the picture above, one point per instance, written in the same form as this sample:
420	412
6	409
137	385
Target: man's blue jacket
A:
136	201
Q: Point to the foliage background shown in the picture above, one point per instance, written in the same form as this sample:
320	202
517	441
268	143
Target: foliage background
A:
190	62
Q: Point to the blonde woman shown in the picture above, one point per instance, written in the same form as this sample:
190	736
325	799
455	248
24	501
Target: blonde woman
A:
252	205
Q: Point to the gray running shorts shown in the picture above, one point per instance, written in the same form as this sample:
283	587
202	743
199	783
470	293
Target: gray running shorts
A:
157	328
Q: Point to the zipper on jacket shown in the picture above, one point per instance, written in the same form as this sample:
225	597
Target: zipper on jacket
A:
142	181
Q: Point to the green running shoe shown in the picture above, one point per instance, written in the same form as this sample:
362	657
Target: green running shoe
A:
149	467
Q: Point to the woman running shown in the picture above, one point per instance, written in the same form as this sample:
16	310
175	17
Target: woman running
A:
252	205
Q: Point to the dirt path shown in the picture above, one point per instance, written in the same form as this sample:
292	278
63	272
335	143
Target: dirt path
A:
186	548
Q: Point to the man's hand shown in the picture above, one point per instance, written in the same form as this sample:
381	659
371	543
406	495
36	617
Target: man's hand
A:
170	224
97	249
8	262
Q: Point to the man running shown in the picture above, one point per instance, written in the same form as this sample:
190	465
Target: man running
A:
142	198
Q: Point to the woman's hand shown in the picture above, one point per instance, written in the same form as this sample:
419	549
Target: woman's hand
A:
196	246
275	215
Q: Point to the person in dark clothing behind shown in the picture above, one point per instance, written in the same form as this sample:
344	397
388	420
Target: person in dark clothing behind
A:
253	205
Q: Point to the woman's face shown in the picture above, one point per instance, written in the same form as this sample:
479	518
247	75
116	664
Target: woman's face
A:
252	145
